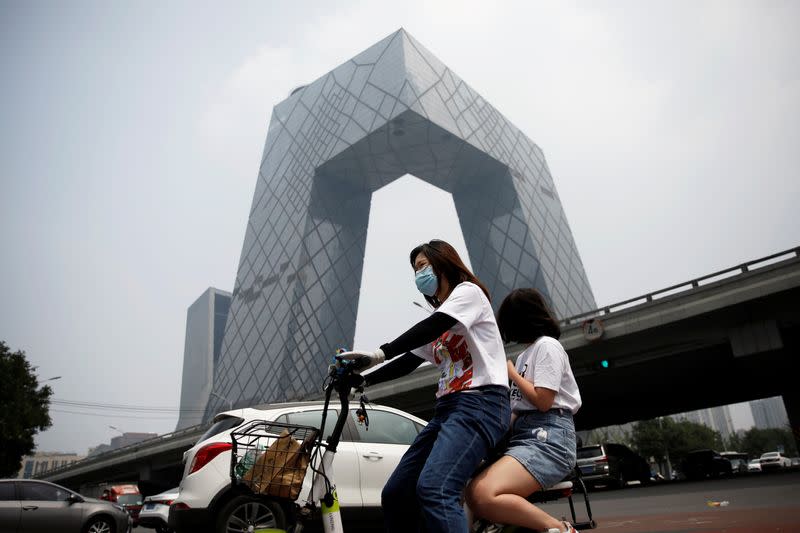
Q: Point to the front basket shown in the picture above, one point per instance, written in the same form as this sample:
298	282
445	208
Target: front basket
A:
271	458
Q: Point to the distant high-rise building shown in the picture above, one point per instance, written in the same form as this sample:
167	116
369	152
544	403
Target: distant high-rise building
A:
769	413
392	110
205	327
41	462
717	418
722	420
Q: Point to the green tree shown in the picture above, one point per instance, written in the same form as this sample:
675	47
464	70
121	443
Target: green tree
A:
757	441
734	442
25	409
664	437
602	435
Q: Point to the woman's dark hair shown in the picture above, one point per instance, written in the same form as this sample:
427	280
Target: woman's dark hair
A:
524	317
446	263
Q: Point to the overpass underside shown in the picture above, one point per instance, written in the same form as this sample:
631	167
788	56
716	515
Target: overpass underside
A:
729	341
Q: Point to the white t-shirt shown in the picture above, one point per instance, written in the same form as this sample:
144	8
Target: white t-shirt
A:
471	353
545	364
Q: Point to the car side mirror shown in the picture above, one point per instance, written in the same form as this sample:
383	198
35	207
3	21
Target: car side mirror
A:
74	498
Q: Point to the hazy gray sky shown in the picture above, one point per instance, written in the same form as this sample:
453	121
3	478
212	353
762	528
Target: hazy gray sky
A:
132	134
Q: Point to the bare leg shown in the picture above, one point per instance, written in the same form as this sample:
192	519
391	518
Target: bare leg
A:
498	494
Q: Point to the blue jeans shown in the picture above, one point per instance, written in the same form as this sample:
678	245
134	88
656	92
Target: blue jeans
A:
426	486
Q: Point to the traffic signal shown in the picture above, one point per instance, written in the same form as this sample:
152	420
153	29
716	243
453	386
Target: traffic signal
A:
603	364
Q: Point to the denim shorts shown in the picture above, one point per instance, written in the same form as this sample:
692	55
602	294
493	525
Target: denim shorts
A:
544	443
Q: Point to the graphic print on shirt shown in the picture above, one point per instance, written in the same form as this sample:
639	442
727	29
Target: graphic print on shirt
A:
515	392
452	356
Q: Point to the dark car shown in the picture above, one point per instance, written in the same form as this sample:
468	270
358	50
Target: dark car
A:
38	506
700	464
611	464
738	461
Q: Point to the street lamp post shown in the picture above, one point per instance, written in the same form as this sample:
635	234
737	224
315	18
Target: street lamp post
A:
421	306
666	447
41	383
224	399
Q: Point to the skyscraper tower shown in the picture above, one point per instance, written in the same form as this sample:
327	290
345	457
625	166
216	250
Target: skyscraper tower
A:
769	413
392	110
205	327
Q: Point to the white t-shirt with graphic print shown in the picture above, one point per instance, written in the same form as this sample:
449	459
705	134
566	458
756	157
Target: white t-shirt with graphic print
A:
545	364
471	353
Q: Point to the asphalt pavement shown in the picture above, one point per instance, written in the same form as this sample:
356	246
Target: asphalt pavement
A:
756	503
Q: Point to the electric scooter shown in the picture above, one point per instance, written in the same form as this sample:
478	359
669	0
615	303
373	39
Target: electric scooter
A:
270	460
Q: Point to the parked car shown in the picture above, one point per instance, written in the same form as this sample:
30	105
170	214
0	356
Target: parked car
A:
127	496
32	505
754	466
611	464
772	460
795	461
363	463
155	511
738	461
699	464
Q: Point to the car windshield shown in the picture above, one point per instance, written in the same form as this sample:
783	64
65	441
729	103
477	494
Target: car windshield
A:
589	452
223	424
129	499
770	454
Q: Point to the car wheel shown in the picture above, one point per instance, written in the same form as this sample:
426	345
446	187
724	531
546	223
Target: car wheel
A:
244	511
100	525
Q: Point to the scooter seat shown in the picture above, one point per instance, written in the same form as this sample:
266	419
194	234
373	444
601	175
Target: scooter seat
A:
564	485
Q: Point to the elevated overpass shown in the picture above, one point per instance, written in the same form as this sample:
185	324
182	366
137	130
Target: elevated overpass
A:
727	337
157	464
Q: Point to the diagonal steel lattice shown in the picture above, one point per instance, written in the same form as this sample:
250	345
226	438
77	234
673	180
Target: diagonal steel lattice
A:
392	110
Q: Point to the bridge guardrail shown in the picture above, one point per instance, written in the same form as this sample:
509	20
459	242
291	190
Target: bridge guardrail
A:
685	286
123	450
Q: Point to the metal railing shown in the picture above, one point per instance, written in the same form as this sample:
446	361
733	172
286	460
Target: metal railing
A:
123	450
690	285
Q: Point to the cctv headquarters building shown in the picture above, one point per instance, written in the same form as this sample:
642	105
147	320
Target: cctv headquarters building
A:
392	110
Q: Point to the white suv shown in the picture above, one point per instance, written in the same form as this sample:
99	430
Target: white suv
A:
363	463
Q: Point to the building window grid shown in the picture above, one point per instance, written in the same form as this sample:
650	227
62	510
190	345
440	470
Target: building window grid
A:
476	113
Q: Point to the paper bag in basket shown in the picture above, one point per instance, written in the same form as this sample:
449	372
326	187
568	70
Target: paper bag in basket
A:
280	470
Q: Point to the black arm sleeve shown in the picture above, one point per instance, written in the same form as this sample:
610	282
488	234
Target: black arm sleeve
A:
420	334
401	366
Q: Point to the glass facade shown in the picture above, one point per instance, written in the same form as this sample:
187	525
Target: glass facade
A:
205	326
394	109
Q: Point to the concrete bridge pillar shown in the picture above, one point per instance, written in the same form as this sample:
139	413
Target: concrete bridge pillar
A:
791	400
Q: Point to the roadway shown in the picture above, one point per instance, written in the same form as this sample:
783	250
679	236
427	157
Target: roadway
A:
757	503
